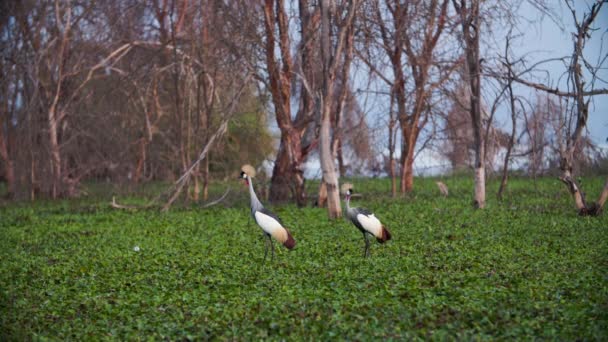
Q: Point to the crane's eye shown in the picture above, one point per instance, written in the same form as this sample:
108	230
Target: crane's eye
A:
243	174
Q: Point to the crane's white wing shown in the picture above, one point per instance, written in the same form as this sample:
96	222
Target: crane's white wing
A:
271	226
371	224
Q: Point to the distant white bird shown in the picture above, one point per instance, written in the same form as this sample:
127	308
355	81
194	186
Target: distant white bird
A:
442	188
268	221
366	221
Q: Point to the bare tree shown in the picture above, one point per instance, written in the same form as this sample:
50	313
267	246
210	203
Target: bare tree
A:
579	91
287	173
333	56
9	41
63	67
409	34
513	112
468	10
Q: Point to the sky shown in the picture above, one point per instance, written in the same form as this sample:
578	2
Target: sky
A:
543	38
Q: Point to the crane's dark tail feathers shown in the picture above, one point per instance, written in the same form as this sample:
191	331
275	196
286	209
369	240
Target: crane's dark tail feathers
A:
290	243
386	235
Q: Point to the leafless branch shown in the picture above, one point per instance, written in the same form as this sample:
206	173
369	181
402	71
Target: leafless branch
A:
212	203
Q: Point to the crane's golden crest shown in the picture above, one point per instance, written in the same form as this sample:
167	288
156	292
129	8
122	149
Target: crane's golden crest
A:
249	170
345	187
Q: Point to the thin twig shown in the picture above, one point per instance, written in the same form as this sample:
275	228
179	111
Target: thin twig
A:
115	205
217	200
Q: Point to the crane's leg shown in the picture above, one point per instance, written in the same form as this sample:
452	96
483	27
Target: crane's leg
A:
365	248
366	244
272	246
265	247
367	253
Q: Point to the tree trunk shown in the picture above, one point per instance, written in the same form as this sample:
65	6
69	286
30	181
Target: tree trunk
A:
407	164
322	199
409	137
505	171
206	179
505	168
9	174
56	176
9	165
299	184
480	169
480	187
391	150
33	182
584	208
339	157
279	184
603	196
393	175
196	187
139	169
577	195
334	210
287	177
408	175
470	21
330	58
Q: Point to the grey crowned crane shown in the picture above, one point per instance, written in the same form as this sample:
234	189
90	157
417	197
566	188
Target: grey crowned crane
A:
267	220
366	221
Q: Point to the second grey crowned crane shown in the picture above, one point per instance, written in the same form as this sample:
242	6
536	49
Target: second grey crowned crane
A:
366	221
267	220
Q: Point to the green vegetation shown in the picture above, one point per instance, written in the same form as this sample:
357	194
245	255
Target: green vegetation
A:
525	267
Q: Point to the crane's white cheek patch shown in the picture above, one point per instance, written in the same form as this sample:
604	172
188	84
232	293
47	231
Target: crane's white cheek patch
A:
371	224
271	226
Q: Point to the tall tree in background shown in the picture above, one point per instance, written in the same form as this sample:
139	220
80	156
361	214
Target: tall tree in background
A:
468	10
513	115
333	56
574	121
419	47
408	34
10	39
64	64
287	175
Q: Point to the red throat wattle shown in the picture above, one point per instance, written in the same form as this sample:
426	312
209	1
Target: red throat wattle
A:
246	182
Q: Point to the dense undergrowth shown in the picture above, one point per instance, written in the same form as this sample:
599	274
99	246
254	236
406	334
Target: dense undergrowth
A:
524	267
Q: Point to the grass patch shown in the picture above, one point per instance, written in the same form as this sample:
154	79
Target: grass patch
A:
524	267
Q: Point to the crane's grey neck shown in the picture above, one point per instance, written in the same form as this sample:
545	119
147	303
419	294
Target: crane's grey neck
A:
256	205
349	211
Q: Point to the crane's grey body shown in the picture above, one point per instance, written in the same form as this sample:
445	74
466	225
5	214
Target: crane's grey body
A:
367	223
352	213
257	206
269	222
